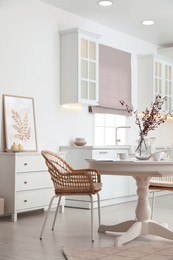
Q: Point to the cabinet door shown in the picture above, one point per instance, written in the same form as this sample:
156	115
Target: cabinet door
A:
168	85
79	60
163	82
88	70
155	78
158	78
132	186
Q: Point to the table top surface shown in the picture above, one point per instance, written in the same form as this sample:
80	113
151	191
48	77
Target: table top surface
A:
133	167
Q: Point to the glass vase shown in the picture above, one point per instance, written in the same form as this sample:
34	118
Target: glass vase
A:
143	148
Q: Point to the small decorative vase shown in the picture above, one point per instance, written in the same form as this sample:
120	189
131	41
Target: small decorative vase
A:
14	147
20	147
143	148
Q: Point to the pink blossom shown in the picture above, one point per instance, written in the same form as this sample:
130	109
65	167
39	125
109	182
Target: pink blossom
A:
150	119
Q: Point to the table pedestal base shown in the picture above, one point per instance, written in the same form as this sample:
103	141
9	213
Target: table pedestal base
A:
133	229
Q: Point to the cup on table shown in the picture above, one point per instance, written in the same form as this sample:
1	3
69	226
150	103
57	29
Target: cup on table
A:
122	156
169	153
157	156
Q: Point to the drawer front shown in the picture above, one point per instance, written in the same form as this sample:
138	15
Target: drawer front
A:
29	163
33	180
33	199
103	154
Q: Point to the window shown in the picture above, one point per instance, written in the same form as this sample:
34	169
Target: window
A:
105	129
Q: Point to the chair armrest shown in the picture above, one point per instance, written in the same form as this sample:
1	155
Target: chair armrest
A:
96	176
75	182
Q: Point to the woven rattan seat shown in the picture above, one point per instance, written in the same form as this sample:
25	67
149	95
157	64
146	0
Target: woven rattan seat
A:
160	183
68	181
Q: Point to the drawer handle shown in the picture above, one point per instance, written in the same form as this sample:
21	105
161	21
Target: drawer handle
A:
25	164
25	201
103	152
25	182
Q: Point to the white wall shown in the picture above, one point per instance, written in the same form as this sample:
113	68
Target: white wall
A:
29	66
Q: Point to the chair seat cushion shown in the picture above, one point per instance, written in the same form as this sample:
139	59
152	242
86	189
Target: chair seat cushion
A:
78	191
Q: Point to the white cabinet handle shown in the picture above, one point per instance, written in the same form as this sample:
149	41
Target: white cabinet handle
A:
103	152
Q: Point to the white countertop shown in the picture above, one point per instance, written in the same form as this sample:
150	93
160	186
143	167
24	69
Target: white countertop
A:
117	147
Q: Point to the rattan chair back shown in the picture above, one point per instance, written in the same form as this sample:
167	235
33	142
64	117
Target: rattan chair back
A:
160	183
66	180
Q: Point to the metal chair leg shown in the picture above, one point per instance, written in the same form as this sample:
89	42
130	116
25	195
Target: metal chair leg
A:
99	216
56	212
153	203
46	217
92	229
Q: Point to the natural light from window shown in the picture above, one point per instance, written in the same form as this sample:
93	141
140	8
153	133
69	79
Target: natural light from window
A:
105	129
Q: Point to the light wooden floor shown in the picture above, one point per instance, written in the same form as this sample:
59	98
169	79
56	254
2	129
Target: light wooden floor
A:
20	240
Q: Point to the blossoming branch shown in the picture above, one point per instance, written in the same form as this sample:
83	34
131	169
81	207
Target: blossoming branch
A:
150	119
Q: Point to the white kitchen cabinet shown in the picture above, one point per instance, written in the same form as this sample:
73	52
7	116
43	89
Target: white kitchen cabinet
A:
155	77
25	183
115	189
167	52
79	59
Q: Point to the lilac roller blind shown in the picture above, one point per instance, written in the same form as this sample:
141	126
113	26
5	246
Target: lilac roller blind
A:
114	81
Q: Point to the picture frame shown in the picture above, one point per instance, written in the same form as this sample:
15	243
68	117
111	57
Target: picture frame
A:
19	123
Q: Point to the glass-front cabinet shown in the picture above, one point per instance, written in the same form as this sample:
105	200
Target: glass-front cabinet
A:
155	77
88	69
79	67
163	81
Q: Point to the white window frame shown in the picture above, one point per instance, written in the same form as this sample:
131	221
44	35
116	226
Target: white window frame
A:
105	140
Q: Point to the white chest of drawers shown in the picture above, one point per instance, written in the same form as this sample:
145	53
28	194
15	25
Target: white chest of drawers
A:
25	183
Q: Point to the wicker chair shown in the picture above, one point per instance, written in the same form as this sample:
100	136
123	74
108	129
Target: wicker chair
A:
160	183
68	181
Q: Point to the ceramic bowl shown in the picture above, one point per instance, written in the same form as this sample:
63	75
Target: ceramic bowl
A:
80	143
79	139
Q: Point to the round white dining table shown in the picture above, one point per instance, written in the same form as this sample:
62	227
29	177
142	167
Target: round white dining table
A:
142	171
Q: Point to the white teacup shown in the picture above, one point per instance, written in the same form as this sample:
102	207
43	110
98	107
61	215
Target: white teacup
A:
157	156
122	156
169	153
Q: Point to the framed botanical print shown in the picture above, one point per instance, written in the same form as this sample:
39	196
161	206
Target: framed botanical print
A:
19	122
